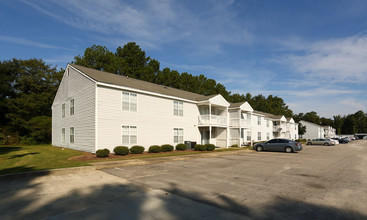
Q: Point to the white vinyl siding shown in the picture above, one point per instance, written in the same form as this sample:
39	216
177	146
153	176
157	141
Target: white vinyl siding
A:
72	136
129	101
178	135
82	90
63	135
177	108
63	110
129	134
72	107
259	136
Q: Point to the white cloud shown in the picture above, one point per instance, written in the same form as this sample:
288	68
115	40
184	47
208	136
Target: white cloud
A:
331	61
157	22
26	42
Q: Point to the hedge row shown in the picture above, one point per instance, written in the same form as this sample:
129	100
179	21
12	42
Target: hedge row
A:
122	150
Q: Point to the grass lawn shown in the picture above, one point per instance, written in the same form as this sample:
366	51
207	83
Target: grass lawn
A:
16	159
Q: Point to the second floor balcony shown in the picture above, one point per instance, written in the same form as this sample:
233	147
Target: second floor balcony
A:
212	120
236	122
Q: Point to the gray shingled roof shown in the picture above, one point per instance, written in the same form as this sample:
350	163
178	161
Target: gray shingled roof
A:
119	80
237	104
268	115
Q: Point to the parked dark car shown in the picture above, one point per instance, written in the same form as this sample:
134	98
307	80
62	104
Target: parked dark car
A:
284	145
342	140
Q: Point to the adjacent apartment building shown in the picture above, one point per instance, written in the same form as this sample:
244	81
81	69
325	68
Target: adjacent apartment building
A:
314	131
94	110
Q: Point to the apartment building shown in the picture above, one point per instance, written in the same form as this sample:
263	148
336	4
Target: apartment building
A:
94	110
314	131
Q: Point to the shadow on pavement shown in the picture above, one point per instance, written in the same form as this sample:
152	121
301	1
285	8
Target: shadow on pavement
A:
24	198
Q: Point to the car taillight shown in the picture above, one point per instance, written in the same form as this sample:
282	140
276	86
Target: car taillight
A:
297	144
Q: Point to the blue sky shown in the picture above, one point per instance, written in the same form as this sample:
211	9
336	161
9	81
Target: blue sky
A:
313	54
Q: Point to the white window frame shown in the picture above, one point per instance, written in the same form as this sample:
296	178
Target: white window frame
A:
72	135
248	135
63	110
267	123
63	135
267	136
259	136
177	108
129	101
72	108
258	120
178	135
129	134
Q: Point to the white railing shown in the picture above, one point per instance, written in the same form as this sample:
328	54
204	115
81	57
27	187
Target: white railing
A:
236	122
277	128
212	119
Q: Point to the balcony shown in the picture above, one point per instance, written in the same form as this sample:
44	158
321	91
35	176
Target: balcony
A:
236	122
277	128
212	120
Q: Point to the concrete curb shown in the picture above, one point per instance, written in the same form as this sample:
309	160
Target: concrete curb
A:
146	161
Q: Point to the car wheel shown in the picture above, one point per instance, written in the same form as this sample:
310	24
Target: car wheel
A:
259	148
288	150
327	144
309	143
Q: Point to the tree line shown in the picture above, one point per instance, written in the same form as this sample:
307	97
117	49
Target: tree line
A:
28	87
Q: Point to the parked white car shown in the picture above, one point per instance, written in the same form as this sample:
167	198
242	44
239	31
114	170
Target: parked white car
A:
335	140
321	141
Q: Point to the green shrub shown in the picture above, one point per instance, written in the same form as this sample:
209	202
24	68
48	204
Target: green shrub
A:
154	149
166	148
103	152
180	147
234	145
209	147
200	147
137	149
301	140
121	150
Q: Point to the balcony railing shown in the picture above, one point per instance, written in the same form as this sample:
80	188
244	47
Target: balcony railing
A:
236	122
277	128
212	119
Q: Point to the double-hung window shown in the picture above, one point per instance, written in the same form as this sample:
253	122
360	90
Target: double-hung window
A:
63	135
249	136
177	108
129	134
259	136
178	135
129	101
258	120
267	136
63	110
72	138
267	123
72	107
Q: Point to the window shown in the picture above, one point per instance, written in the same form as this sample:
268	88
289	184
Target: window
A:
178	135
267	136
177	108
129	101
259	136
72	135
72	107
249	117
249	136
129	134
267	123
258	120
63	110
273	141
63	135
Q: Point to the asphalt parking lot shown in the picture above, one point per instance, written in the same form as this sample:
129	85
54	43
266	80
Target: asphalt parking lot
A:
324	182
319	182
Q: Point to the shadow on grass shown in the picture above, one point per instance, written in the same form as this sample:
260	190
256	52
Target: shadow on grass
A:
18	169
22	155
5	150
